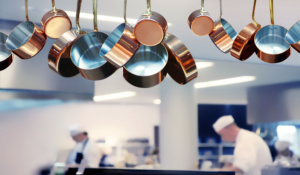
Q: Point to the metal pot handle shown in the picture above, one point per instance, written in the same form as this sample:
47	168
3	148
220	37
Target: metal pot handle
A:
220	11
26	10
78	30
253	12
125	14
271	11
202	7
95	15
53	7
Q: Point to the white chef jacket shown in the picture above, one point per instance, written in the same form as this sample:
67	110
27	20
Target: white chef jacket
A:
91	154
251	153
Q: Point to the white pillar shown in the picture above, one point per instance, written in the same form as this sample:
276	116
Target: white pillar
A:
179	126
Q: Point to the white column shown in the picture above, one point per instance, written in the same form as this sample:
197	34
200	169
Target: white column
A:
179	126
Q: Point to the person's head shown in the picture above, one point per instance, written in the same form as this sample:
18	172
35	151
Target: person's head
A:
78	133
282	147
226	128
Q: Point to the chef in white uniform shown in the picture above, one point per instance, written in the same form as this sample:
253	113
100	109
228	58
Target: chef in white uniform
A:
251	153
284	155
86	150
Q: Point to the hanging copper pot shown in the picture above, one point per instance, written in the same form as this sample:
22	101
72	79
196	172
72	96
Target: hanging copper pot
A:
147	67
181	65
243	46
55	22
270	42
151	27
85	53
6	57
59	58
27	39
121	44
223	33
292	37
200	21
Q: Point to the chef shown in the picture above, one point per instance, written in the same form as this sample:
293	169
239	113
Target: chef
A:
285	155
251	153
86	150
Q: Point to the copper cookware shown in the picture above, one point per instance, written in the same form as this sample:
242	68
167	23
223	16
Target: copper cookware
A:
181	65
55	22
223	33
85	53
27	39
6	57
121	44
270	42
151	27
200	21
147	67
59	58
243	46
293	36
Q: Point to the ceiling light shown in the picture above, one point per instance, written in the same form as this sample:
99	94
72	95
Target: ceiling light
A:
114	96
223	82
202	65
157	101
104	17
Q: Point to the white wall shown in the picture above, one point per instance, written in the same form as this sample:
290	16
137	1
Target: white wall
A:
31	138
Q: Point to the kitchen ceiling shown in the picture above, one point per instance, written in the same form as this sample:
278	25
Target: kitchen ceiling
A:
237	13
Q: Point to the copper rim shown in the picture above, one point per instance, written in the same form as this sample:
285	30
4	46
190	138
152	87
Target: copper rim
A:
243	46
32	46
59	59
181	65
56	23
273	58
6	57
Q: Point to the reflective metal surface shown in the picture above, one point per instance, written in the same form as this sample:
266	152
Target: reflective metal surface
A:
293	36
147	67
26	40
56	23
243	46
150	28
85	55
223	35
271	44
59	58
200	21
181	65
6	56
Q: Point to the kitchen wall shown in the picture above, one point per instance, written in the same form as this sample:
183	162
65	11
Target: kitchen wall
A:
32	138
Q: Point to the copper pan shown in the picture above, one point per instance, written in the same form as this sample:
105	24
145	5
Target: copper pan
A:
270	42
59	58
243	46
147	67
55	22
151	27
121	44
223	33
27	39
85	53
6	57
200	21
292	37
181	65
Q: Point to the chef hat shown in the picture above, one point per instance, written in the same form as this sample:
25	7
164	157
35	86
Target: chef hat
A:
282	145
222	122
76	129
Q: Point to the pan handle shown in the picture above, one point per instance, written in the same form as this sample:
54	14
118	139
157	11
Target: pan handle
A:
78	30
253	11
148	12
26	10
53	7
220	11
95	15
125	14
271	11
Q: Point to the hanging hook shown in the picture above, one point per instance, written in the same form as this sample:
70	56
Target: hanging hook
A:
53	7
271	11
253	12
26	10
202	6
125	14
95	15
77	16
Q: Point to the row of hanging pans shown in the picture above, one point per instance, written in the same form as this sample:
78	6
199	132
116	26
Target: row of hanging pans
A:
271	43
146	51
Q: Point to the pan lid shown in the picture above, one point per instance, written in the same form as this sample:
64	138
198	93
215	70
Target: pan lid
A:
181	65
